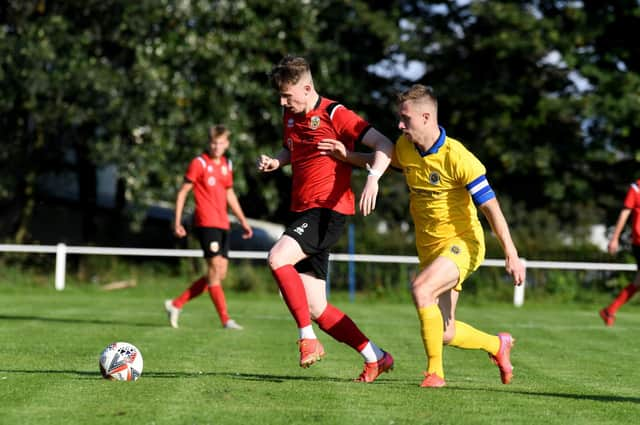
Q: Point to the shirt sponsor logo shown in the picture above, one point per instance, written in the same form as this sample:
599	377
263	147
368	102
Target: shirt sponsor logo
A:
211	181
300	229
314	123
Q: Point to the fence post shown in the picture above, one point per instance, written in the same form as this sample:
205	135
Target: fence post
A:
518	291
61	265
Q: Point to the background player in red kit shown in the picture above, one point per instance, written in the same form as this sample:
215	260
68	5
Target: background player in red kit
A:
321	200
631	207
210	175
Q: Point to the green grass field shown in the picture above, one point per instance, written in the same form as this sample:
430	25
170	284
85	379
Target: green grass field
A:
569	368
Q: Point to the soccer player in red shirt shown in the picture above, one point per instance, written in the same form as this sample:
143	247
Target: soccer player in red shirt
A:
210	175
321	199
631	207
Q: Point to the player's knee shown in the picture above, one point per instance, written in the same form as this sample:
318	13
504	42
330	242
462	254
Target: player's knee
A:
420	288
316	309
274	261
417	285
448	336
314	313
216	274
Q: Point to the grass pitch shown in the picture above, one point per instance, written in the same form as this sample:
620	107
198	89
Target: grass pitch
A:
569	368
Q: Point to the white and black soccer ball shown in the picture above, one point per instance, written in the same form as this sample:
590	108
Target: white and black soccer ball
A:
121	361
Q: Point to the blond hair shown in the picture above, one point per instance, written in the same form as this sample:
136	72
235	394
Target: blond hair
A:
418	93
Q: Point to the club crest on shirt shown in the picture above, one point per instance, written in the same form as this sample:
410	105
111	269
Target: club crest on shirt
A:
214	246
290	122
223	170
211	181
314	122
434	178
209	169
455	249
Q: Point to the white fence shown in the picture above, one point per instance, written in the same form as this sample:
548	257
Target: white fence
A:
61	250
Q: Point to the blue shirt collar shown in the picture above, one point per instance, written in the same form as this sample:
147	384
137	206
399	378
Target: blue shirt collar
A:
436	146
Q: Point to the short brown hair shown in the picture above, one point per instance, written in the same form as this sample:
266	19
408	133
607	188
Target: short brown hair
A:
217	130
419	93
289	71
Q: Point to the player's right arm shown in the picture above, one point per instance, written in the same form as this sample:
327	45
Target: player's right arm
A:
266	164
181	198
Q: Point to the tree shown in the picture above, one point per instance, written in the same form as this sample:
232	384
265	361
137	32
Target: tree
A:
510	80
137	84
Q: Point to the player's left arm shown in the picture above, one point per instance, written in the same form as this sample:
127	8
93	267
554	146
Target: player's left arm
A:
492	211
336	149
234	204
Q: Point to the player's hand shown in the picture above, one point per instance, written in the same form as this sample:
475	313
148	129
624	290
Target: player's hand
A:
334	148
248	231
369	195
613	246
515	267
267	164
179	231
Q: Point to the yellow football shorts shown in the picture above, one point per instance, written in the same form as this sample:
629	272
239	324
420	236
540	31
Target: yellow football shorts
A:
466	251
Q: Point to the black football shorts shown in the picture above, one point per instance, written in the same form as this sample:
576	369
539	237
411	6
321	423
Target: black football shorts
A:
213	241
316	230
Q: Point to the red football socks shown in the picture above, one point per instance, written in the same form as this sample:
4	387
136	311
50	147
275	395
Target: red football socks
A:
624	296
292	290
193	291
342	328
217	296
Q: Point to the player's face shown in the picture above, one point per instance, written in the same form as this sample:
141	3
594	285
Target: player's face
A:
294	97
218	145
411	121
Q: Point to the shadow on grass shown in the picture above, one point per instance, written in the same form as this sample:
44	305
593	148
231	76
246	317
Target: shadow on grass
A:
259	377
592	397
173	375
246	376
83	321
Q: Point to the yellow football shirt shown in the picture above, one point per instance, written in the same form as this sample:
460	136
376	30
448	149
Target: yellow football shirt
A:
441	183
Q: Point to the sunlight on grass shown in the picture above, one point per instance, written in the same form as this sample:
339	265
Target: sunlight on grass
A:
567	365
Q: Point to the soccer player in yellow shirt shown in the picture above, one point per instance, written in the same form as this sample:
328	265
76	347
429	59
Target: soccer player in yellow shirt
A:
446	184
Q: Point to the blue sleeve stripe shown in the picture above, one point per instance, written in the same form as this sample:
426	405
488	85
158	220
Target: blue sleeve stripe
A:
483	195
476	182
480	190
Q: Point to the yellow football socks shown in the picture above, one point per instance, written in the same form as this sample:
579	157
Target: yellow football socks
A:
432	330
470	338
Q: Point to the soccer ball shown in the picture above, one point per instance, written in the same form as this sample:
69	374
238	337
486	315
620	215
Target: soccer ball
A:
121	361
